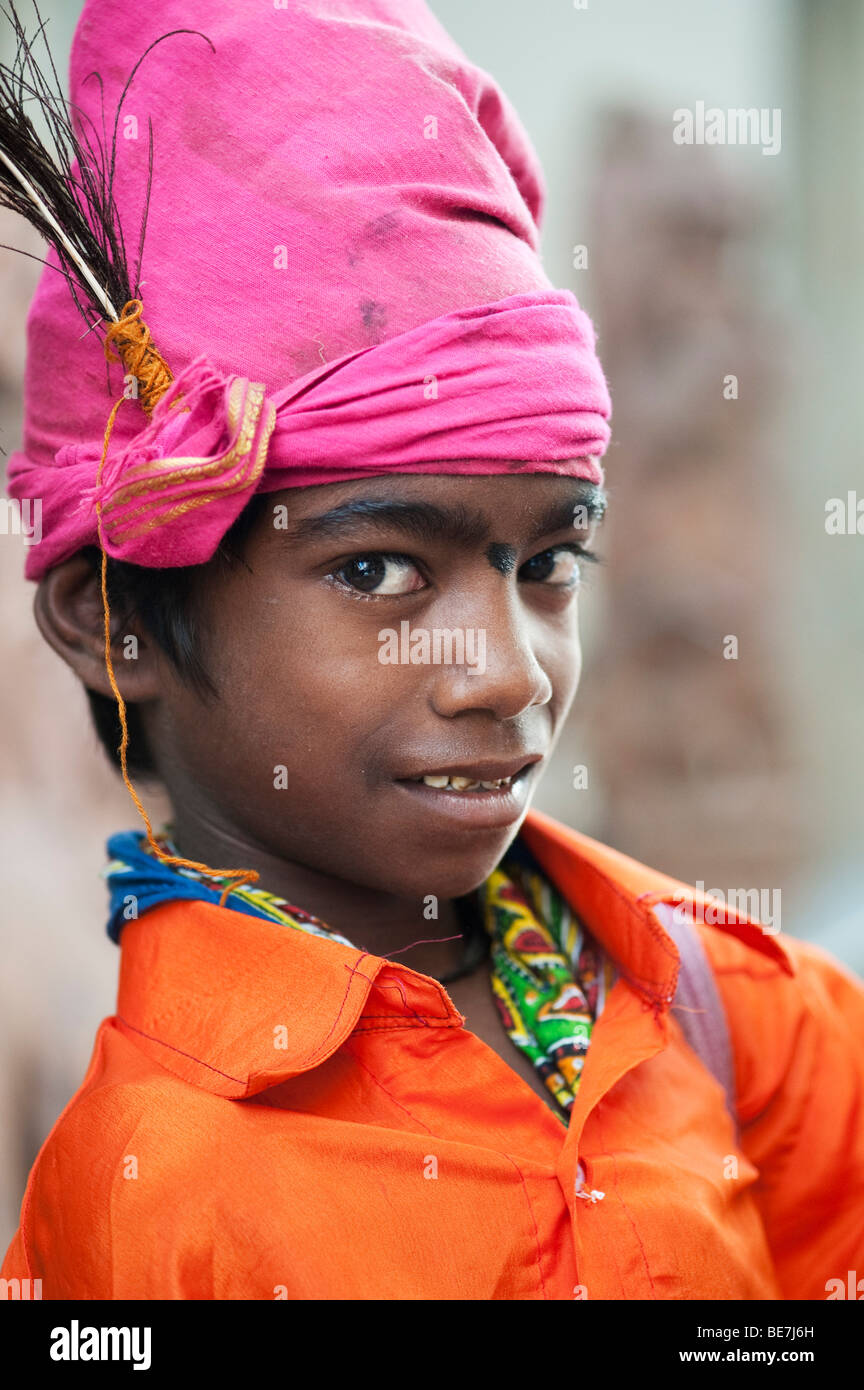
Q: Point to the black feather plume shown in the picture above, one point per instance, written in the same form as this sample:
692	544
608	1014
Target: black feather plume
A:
74	210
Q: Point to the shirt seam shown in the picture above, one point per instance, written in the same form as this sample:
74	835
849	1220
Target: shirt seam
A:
179	1050
352	971
415	1023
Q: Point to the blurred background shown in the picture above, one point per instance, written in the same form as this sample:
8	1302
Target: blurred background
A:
727	287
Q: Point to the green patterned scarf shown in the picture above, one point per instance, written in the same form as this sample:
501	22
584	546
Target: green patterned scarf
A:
549	977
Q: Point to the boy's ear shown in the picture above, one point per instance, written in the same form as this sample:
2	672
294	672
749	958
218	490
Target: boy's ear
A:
69	614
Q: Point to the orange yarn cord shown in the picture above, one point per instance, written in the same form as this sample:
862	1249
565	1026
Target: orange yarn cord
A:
138	353
155	380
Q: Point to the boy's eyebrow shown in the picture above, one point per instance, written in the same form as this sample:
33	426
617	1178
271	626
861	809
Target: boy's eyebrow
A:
428	521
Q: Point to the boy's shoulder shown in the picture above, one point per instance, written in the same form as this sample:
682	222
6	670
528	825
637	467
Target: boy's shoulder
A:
795	1013
792	1033
617	894
124	1094
128	1142
739	928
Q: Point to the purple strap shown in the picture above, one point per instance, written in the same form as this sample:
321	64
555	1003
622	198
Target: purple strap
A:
697	1003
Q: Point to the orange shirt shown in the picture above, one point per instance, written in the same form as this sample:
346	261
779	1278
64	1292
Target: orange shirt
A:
270	1114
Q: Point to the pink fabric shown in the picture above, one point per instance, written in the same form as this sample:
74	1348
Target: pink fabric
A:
343	233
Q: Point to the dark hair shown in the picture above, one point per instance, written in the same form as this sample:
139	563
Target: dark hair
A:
165	602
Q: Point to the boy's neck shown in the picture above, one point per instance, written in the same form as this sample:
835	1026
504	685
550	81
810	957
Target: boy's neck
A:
380	923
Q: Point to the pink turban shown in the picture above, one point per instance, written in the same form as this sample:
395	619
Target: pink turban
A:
341	268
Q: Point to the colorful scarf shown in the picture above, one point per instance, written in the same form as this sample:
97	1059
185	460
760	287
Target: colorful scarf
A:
549	977
138	881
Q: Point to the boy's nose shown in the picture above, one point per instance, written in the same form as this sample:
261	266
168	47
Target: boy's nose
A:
501	672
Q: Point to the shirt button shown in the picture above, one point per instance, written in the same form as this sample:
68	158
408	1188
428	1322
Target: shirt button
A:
591	1196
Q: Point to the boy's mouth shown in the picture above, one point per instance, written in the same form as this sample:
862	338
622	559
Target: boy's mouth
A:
455	783
476	777
485	795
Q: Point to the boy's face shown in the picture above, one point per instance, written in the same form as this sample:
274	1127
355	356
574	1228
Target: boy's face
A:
378	631
324	723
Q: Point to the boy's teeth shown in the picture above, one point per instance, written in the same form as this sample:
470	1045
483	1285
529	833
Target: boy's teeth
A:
464	784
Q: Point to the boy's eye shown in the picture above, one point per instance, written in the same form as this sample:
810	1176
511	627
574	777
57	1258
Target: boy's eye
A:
558	567
385	574
380	573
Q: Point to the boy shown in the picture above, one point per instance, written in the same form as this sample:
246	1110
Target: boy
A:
353	600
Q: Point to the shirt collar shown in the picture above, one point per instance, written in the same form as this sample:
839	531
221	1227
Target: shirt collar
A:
614	896
235	1004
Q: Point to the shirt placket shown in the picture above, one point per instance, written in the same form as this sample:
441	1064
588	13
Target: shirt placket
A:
626	1034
